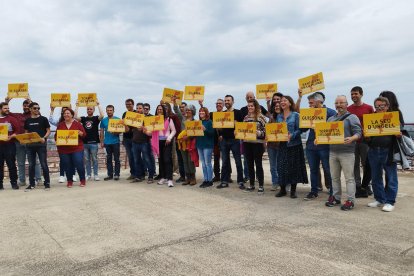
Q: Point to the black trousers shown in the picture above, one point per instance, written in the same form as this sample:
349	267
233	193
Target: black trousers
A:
254	154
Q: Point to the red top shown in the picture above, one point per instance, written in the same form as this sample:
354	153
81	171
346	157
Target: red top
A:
359	111
21	118
13	126
75	126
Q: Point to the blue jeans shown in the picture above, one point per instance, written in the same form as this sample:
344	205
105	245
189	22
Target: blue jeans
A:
113	150
142	157
128	148
272	152
205	158
21	153
233	145
378	159
41	152
90	152
315	157
72	161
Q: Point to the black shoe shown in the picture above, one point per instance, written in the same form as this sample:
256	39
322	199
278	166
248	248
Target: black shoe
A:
222	185
116	177
250	189
203	185
230	180
208	184
108	178
246	179
29	188
260	191
311	196
332	201
361	193
179	180
241	186
293	191
136	180
15	187
216	179
47	186
158	177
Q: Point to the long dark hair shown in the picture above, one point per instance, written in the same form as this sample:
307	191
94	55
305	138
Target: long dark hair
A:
292	103
164	111
394	105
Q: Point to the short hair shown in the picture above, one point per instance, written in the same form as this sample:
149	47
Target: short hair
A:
139	104
220	99
280	95
184	103
147	104
357	89
316	96
3	104
33	104
227	96
382	99
205	109
70	110
129	100
26	102
320	93
110	106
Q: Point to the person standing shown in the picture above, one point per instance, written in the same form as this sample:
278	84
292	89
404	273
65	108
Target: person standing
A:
21	149
205	146
177	165
91	141
254	150
72	156
361	147
110	141
342	156
8	146
39	124
291	167
147	108
380	156
127	141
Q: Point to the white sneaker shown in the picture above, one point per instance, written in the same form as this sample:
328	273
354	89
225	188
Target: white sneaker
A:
88	177
170	183
388	208
74	179
97	178
61	179
162	181
375	204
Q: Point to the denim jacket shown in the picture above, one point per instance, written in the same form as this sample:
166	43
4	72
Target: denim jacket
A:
293	128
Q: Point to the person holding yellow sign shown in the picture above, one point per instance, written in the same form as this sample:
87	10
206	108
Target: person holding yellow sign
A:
380	157
254	149
205	145
71	156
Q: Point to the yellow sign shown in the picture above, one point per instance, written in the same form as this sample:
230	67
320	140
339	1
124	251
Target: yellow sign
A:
29	138
329	133
263	91
133	119
223	119
308	117
4	132
169	93
67	137
194	128
246	130
116	126
380	124
153	123
276	132
18	90
311	83
87	99
193	93
60	99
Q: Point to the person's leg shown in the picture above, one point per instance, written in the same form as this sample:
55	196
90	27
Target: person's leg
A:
94	156
376	173
21	162
249	158
109	165
174	157
146	155
38	175
336	175
77	159
67	165
392	188
272	153
9	155
128	149
207	159
87	153
258	160
357	165
324	156
180	163
225	162
3	155
42	153
31	156
186	157
117	154
313	161
347	164
203	162
168	162
138	154
216	151
235	149
366	178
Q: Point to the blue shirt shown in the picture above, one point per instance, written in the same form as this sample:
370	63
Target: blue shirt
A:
310	145
292	122
109	138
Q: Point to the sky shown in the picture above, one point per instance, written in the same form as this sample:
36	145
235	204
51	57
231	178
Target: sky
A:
133	49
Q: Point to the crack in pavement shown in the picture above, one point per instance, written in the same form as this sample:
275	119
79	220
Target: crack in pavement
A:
405	252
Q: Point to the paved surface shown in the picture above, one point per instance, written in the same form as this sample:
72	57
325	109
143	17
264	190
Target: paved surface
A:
119	228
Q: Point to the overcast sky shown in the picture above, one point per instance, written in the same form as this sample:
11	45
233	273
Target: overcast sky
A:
133	49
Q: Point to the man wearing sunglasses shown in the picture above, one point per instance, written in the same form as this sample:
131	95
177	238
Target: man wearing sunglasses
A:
39	124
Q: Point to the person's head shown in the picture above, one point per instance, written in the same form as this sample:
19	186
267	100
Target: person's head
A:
253	108
315	100
34	108
190	111
356	94
249	96
219	105
182	107
26	108
140	108
129	104
110	109
90	110
4	108
381	104
392	99
228	101
147	108
277	97
168	109
204	114
287	103
68	114
322	95
341	104
275	104
161	111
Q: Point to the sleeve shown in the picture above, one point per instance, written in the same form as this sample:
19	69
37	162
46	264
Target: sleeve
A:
102	124
297	130
261	128
46	121
178	112
172	130
355	125
264	111
15	126
53	121
209	129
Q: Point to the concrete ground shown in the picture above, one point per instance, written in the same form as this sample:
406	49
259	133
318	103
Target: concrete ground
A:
119	228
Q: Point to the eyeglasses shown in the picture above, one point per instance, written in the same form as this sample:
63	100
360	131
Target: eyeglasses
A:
146	108
36	108
380	106
219	103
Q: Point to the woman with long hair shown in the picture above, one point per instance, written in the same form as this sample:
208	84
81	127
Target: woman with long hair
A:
291	166
273	147
254	149
205	145
393	103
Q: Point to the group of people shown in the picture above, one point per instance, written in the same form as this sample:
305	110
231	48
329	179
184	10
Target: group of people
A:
179	152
